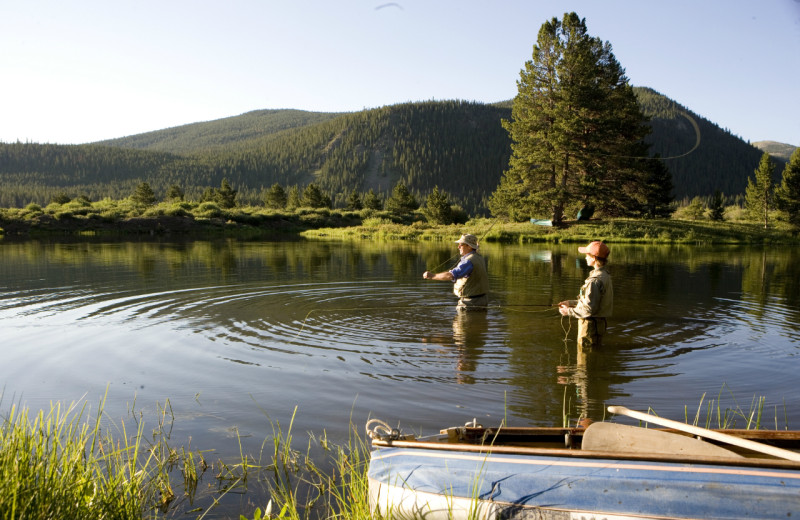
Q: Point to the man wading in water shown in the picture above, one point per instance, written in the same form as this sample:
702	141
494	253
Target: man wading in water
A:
596	299
469	276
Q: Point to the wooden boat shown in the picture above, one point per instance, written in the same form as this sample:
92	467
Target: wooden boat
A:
606	470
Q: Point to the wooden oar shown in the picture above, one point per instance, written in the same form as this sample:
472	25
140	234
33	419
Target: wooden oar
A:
708	434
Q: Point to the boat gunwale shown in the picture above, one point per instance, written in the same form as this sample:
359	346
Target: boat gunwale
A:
443	444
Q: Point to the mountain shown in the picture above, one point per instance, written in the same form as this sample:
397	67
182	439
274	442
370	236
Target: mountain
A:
779	151
196	137
458	146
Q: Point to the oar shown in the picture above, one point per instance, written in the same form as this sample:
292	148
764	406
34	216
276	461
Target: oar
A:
709	434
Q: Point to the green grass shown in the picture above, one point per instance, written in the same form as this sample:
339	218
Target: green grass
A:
667	231
123	216
61	464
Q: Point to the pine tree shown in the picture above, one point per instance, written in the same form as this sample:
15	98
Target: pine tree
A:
354	201
314	198
717	207
175	193
401	202
60	198
144	195
226	195
437	207
275	197
293	200
759	195
788	193
372	201
577	130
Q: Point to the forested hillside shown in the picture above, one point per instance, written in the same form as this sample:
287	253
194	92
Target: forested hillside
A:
197	137
458	146
720	161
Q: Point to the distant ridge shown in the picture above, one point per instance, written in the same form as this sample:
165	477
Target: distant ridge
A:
776	150
458	146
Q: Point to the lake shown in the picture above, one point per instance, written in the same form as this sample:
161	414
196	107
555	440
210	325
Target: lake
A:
240	335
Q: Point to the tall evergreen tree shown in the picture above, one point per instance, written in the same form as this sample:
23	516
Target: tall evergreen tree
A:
314	198
144	195
717	207
275	198
175	193
293	200
577	130
226	195
372	200
788	193
437	207
401	202
759	194
354	202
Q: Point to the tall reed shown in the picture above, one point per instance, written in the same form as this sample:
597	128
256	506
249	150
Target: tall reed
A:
65	463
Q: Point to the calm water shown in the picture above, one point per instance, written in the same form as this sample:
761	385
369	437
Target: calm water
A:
237	334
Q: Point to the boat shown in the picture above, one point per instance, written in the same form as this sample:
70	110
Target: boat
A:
607	470
542	222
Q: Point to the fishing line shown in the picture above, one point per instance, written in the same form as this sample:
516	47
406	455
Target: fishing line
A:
566	330
696	144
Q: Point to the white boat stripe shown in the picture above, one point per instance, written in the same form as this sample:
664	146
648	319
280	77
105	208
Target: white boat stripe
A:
597	465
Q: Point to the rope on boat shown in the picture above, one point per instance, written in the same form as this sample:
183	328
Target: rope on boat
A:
383	432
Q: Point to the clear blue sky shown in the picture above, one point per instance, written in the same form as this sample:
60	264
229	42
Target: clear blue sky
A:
81	71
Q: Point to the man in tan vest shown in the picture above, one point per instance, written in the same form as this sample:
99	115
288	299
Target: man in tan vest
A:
471	283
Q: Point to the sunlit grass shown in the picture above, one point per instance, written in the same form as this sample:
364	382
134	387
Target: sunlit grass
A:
61	464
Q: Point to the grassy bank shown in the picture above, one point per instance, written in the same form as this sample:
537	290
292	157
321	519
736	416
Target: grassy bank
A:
668	231
122	217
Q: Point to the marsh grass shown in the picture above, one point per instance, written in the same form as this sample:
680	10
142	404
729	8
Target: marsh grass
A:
712	414
66	462
299	488
61	464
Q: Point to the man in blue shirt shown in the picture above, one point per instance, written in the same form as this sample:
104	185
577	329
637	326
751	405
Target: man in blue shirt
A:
471	283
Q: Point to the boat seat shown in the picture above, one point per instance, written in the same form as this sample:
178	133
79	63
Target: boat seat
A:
606	436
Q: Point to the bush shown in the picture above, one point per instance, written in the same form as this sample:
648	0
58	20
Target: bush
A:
208	210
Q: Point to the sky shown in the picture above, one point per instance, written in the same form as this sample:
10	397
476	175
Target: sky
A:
78	71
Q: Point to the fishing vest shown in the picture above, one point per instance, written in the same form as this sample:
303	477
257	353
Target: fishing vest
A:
475	283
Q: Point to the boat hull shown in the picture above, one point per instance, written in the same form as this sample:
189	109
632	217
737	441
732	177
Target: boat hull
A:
408	482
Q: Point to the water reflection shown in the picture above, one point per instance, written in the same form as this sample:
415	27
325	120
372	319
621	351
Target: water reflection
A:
319	323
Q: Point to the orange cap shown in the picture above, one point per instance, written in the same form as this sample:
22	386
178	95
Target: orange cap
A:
596	248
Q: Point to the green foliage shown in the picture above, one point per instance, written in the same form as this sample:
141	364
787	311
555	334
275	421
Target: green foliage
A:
144	195
577	132
314	198
224	196
175	193
354	202
694	211
788	193
372	201
717	207
401	202
60	198
293	198
275	198
759	193
437	208
461	147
